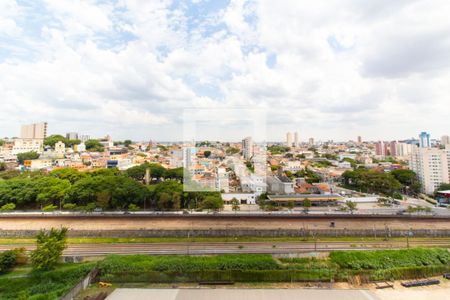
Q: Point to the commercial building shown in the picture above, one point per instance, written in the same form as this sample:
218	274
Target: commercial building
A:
424	140
34	131
432	166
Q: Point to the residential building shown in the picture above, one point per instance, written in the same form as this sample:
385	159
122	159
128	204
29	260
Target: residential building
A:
359	140
60	148
34	131
222	180
381	149
311	142
445	140
247	148
27	145
37	164
432	166
280	185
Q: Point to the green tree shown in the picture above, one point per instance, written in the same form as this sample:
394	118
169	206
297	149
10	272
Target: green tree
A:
291	205
408	179
21	157
94	146
351	206
2	166
212	203
49	248
235	205
127	143
306	205
70	174
207	153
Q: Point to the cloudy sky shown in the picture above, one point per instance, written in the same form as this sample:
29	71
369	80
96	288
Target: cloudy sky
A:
331	69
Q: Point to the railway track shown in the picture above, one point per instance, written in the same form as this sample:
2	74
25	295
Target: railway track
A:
230	247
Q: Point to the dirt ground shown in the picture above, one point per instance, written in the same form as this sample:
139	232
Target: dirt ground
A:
137	223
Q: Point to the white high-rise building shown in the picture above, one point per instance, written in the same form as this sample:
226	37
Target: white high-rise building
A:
432	166
247	148
403	149
296	143
34	131
445	140
289	139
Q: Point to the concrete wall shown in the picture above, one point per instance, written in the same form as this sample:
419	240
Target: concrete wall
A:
243	232
82	285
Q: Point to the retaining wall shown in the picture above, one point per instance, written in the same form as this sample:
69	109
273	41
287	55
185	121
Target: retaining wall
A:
242	232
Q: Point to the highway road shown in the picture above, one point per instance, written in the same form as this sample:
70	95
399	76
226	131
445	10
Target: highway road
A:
199	248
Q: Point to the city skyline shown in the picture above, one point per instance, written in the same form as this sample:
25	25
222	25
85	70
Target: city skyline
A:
130	68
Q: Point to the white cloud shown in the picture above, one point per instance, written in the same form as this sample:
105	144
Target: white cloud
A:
330	69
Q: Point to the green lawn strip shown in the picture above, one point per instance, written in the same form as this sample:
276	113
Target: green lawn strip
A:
109	240
47	285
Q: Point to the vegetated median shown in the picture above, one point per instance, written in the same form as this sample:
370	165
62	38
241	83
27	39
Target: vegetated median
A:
340	266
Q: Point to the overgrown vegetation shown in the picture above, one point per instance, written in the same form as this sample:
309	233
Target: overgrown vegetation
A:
43	285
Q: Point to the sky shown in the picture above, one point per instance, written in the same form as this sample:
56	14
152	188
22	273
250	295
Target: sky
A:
330	69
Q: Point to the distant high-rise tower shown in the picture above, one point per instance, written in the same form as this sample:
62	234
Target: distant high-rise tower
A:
359	139
424	140
311	141
289	139
72	136
445	140
296	144
247	147
34	131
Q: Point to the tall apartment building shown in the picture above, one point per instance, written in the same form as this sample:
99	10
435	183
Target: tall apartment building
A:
34	131
432	166
296	141
382	148
445	140
247	148
289	139
311	142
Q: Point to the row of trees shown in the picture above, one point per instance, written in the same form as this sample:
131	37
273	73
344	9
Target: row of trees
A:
374	181
105	189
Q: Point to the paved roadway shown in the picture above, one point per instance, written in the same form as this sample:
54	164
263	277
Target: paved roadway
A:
248	294
198	248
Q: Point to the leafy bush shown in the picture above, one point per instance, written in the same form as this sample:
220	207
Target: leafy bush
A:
69	206
8	207
49	208
7	260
